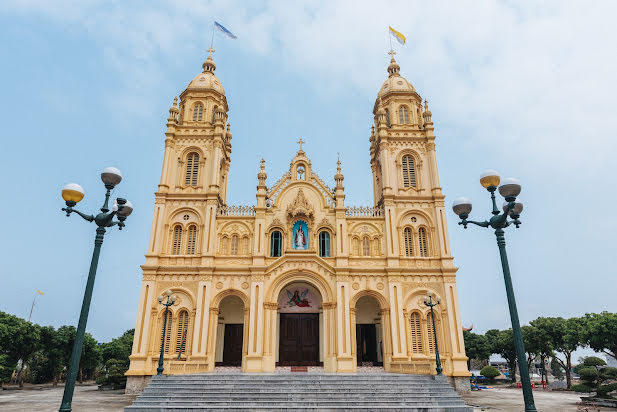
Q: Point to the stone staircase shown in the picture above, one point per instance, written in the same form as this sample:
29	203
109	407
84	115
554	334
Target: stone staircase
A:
299	391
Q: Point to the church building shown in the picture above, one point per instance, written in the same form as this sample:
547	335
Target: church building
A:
300	278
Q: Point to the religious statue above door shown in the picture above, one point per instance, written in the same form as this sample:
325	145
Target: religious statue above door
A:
300	235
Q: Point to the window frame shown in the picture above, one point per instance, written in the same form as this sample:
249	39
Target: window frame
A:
324	241
276	252
409	171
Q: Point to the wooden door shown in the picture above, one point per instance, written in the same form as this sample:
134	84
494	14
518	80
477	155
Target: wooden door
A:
366	343
299	339
232	344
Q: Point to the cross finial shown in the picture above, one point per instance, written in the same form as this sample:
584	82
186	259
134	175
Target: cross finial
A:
300	142
210	51
392	53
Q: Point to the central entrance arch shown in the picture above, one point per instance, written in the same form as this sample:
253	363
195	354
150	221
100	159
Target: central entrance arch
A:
300	331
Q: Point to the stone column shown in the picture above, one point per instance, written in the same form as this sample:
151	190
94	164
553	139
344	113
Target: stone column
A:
397	320
255	325
202	318
343	329
212	329
270	317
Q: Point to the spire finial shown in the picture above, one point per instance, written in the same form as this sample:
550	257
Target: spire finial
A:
392	53
209	65
425	104
300	142
210	51
393	67
338	177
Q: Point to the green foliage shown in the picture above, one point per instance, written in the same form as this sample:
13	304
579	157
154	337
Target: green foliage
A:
593	361
7	366
603	390
490	372
581	387
113	373
119	348
476	346
608	373
556	369
600	332
502	343
19	339
589	374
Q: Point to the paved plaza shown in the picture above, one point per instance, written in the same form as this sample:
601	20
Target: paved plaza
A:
88	398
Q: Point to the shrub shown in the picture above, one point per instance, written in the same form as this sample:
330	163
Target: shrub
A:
603	390
490	372
588	373
113	374
581	387
593	361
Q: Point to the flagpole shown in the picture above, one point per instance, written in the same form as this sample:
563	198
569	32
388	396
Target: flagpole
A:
32	307
212	41
390	37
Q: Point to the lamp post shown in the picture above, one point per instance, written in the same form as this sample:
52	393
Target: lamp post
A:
428	301
510	188
122	208
171	299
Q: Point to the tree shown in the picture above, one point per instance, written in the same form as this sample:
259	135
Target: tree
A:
565	337
46	363
119	348
476	347
600	332
594	377
556	369
90	354
19	339
502	343
490	373
537	344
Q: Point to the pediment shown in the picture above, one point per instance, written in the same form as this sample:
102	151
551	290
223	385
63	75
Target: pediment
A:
300	261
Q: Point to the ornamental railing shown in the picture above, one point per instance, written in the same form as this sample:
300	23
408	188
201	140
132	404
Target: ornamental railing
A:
364	211
236	211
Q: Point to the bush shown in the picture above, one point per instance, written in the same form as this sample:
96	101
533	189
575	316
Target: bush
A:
603	390
113	374
490	372
593	361
588	373
581	387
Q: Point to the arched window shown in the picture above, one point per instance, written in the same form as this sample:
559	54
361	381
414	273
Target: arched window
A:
176	245
366	246
213	114
422	242
324	244
225	245
168	329
192	169
276	240
376	247
234	245
403	115
431	335
416	333
192	240
182	332
198	112
356	246
387	117
408	238
409	171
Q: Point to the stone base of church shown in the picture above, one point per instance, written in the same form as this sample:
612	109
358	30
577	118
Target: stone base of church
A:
136	384
460	383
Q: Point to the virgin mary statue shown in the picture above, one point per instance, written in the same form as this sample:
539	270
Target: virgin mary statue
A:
299	240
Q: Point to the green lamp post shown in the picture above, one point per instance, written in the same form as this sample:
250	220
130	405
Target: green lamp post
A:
428	301
122	208
510	188
171	299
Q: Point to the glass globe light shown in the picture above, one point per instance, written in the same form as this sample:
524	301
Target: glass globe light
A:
168	292
127	208
461	206
510	188
173	298
160	299
72	193
111	176
489	178
518	207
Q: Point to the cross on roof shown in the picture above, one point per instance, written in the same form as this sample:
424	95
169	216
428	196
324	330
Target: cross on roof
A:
210	51
392	53
300	142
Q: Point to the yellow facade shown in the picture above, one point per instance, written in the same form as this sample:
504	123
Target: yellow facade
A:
358	265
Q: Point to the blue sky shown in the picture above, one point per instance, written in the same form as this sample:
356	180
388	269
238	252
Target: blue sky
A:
524	89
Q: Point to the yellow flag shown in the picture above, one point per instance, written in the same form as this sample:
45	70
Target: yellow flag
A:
39	292
397	35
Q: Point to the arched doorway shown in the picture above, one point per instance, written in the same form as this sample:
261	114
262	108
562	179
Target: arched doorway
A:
230	332
369	332
300	332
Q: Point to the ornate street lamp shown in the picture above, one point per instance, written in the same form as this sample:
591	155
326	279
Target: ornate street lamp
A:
509	189
122	208
171	299
428	301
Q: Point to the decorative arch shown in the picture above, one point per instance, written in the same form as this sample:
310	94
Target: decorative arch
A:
421	213
417	168
216	300
177	216
306	276
381	299
409	304
197	112
403	114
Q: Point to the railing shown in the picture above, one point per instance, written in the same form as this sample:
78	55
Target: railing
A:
236	211
364	211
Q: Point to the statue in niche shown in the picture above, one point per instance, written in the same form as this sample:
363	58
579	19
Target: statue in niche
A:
300	235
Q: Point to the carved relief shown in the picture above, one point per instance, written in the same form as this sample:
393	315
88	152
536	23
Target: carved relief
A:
300	207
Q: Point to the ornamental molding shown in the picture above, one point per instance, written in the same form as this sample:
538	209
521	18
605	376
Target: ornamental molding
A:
300	207
276	223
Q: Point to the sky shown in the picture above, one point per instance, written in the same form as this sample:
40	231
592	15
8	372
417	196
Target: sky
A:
524	88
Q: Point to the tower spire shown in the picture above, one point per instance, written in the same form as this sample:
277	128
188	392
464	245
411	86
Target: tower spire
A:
209	65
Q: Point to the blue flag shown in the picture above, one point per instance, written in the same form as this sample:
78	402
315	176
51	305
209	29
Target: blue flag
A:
224	30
